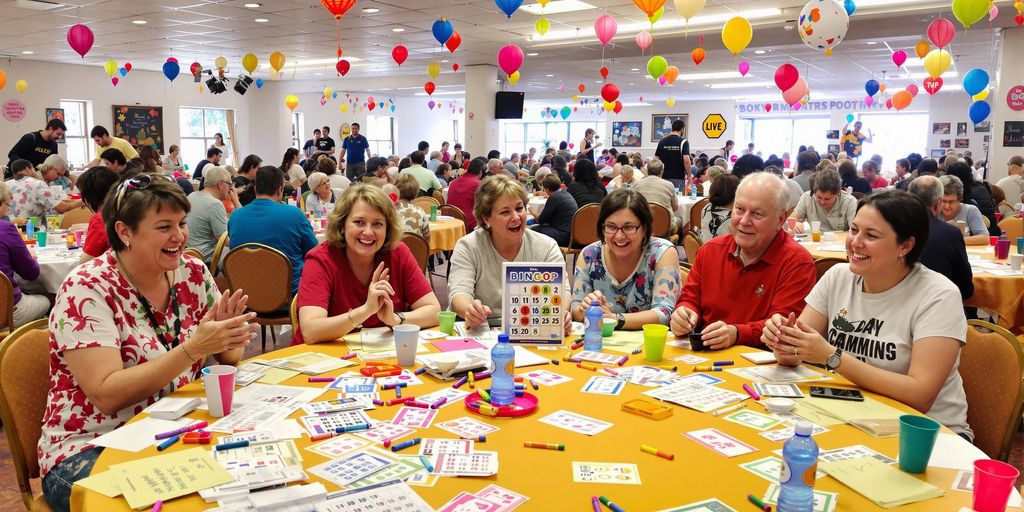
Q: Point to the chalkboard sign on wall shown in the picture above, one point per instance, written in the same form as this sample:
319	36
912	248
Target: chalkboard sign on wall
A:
1013	134
140	126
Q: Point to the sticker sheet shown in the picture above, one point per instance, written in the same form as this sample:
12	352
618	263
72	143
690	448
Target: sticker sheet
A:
703	398
783	434
381	431
399	470
407	376
328	423
467	464
344	471
466	502
452	395
598	357
575	422
720	443
434	446
467	427
753	419
339	445
414	417
546	378
508	500
605	473
780	390
853	452
603	386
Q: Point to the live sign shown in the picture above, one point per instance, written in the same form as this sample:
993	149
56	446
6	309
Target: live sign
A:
714	126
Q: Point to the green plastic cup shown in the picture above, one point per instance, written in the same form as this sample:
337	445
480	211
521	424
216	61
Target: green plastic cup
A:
446	322
917	438
654	341
41	238
608	327
433	213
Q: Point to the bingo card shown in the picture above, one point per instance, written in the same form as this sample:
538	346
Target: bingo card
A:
534	302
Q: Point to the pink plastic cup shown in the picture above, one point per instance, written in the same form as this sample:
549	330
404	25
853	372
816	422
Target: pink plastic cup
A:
219	381
993	481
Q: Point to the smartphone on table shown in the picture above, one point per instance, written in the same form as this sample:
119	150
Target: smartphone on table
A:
837	393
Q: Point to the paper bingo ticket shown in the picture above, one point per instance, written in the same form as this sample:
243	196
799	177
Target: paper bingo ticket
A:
534	302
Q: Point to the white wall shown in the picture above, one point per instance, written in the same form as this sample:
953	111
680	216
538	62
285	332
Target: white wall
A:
951	107
696	112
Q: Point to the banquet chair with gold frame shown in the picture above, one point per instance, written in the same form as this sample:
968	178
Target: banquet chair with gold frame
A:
6	306
80	215
821	265
691	244
265	275
992	368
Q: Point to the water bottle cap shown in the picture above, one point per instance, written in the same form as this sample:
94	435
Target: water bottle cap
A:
804	428
595	303
503	338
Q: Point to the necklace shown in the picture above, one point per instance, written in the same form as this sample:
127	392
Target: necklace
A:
168	344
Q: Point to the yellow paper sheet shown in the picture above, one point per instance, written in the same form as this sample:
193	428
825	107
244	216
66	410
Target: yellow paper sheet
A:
104	483
881	483
164	477
845	411
624	341
276	375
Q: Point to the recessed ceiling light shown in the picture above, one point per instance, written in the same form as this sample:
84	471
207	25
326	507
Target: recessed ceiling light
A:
398	29
318	74
445	61
759	52
371	10
252	5
872	42
139	22
549	76
261	20
27	52
532	54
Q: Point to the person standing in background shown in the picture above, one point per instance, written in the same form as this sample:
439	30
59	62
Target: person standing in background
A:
587	145
674	151
310	145
36	146
325	145
218	142
853	140
357	150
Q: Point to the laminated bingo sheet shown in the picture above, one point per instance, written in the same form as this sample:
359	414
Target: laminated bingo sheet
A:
534	302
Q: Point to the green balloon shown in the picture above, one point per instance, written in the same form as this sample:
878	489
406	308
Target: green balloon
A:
657	66
657	15
970	12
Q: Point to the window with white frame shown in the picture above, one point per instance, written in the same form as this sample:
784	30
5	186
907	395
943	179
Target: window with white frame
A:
297	130
198	126
380	133
76	117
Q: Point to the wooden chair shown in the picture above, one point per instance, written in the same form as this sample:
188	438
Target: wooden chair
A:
80	215
691	244
1014	227
293	312
420	248
265	274
684	272
998	191
821	265
695	212
6	306
425	202
662	224
582	231
992	368
192	251
302	203
24	384
438	196
858	195
454	211
218	251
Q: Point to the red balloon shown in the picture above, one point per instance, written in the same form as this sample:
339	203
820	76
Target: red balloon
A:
698	55
128	66
941	32
618	106
767	107
610	92
888	104
429	87
337	7
932	85
80	37
455	67
581	88
786	76
172	59
371	105
604	72
343	66
196	68
454	41
399	53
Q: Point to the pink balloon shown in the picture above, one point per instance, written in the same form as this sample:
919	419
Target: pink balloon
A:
605	27
114	81
80	38
510	58
993	12
744	68
643	40
913	90
941	32
662	80
795	93
797	106
869	100
899	57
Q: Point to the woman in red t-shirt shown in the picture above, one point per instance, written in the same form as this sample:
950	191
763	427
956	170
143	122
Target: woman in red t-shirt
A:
94	185
363	275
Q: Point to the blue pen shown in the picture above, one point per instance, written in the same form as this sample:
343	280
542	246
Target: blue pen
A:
723	363
228	446
401	446
608	503
167	444
426	464
352	428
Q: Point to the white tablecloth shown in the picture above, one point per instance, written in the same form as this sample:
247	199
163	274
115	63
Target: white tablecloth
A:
685	205
55	263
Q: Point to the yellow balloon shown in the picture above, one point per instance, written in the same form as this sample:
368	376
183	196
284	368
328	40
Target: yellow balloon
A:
671	102
513	78
689	8
110	67
543	2
344	107
609	105
328	91
981	95
657	15
937	62
542	25
277	61
221	62
250	62
433	69
291	101
736	34
21	85
575	98
3	78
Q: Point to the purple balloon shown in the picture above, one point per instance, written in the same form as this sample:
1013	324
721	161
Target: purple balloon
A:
744	68
430	104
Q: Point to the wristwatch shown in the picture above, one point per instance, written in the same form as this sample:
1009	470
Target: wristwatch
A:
832	363
621	321
401	318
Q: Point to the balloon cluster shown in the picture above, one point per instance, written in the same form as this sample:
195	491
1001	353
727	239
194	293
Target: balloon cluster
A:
113	70
976	86
794	87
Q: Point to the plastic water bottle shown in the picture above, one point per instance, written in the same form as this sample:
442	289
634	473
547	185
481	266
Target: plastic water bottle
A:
799	465
503	386
30	229
693	191
592	327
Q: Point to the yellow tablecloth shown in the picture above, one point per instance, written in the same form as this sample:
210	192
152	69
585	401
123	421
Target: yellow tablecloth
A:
545	476
445	233
1003	295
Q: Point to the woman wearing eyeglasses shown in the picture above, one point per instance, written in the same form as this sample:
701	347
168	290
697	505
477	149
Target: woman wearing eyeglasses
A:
633	276
130	327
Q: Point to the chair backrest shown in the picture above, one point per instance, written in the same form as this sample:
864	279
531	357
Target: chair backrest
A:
420	248
80	215
454	211
425	202
24	384
821	265
583	222
992	368
263	273
218	252
684	272
192	251
858	195
438	196
302	204
1014	227
6	303
662	222
691	244
293	312
695	214
1001	193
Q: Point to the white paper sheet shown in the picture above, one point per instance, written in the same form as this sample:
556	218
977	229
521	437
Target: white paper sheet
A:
138	436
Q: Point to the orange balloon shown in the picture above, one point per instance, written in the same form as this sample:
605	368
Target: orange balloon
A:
698	55
671	73
922	48
881	87
649	7
3	78
901	100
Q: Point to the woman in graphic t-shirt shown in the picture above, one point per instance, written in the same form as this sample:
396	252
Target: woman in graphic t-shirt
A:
860	323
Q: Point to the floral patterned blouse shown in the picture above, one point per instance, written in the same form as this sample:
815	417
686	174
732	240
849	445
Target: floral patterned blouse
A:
414	219
32	197
97	307
646	289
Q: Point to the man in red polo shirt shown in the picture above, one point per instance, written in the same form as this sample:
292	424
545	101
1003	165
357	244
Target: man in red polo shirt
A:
742	279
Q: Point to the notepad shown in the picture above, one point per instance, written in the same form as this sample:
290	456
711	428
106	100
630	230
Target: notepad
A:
834	412
881	483
172	408
164	477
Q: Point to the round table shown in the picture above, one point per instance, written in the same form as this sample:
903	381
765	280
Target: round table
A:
443	234
1000	294
55	263
545	476
685	205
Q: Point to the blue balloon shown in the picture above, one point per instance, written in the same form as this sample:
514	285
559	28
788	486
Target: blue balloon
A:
442	30
334	95
975	81
871	87
392	108
171	70
508	6
850	7
259	83
123	71
566	111
979	111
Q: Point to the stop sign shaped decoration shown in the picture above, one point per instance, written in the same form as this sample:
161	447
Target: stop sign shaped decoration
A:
714	126
1015	98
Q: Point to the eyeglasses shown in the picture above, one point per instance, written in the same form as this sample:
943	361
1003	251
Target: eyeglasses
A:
137	183
628	229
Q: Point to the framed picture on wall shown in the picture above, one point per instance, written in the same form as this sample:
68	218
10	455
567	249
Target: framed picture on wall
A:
55	113
140	126
983	127
940	128
627	134
961	129
937	153
945	143
661	125
833	148
832	134
962	143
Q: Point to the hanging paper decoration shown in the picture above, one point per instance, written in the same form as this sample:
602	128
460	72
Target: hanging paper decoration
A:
510	57
399	53
736	34
899	57
453	42
643	40
342	67
649	7
656	16
196	69
823	24
744	68
455	66
604	72
970	12
698	55
338	8
80	38
221	63
442	30
932	84
605	27
941	32
250	61
508	6
542	26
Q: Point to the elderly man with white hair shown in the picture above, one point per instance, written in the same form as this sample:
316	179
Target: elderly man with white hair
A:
740	280
208	219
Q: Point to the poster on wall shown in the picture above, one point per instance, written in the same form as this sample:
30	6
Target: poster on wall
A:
833	148
627	134
832	134
961	129
140	126
963	143
983	127
661	125
1013	134
56	113
940	128
938	153
945	143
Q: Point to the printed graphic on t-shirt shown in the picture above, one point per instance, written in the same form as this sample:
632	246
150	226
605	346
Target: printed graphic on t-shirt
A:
861	337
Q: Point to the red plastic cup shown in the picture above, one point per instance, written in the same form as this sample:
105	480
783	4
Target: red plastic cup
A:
992	240
993	481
